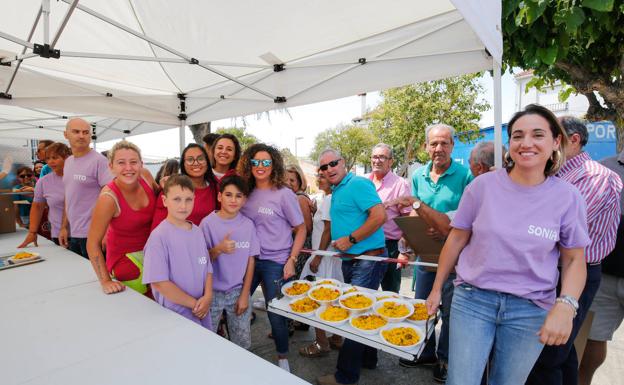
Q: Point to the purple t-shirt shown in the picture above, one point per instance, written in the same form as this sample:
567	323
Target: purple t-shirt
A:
83	179
516	234
50	190
180	256
229	269
274	212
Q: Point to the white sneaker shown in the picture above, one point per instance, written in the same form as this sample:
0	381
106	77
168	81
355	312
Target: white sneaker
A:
259	304
283	363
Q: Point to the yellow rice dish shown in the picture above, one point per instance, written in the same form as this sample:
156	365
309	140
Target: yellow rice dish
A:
325	294
298	288
334	314
420	312
382	297
23	255
352	289
357	301
327	282
393	310
368	322
304	305
401	336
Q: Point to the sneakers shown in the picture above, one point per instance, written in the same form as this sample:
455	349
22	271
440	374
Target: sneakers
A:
283	363
329	379
439	372
425	361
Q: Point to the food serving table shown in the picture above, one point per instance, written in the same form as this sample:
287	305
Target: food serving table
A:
281	306
59	328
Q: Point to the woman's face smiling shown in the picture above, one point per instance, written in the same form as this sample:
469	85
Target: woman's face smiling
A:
261	173
292	181
223	152
195	163
532	143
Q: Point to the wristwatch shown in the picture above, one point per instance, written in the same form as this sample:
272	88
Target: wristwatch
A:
352	239
568	299
416	204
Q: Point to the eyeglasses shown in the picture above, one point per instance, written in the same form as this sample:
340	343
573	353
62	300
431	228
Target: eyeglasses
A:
263	162
199	160
333	163
26	176
381	158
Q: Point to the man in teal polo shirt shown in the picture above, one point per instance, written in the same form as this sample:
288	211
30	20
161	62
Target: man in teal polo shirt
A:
357	216
438	185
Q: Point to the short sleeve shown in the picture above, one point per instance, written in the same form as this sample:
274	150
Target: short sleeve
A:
254	242
325	208
573	231
291	208
467	211
156	260
204	226
39	197
367	196
103	172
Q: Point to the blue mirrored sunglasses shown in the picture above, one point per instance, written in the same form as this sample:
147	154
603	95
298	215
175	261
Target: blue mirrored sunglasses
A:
263	162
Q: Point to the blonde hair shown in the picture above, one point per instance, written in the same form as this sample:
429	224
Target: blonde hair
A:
123	145
303	183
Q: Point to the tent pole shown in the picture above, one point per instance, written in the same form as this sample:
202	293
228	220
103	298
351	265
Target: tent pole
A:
17	66
498	134
181	136
72	6
45	7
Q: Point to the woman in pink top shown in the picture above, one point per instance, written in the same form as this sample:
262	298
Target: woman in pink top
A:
194	164
125	207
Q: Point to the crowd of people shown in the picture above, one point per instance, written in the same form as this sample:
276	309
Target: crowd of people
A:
519	270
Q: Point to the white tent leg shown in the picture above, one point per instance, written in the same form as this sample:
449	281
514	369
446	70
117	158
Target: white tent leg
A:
498	117
181	136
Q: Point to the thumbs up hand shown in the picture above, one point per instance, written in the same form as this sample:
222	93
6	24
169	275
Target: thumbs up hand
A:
227	245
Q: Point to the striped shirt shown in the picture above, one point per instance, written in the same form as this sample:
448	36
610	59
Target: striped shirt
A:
601	189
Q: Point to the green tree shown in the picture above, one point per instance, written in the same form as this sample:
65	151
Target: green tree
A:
580	43
402	116
353	142
244	138
288	157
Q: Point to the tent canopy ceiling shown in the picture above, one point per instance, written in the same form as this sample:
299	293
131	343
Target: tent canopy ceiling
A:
123	63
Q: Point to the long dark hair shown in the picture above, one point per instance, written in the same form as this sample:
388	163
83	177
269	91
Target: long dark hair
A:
237	148
278	173
208	176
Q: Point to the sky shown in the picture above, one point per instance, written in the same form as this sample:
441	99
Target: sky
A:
304	122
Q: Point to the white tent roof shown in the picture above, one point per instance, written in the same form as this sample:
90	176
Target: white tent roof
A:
123	63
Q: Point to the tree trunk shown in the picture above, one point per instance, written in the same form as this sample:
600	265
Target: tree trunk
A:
199	130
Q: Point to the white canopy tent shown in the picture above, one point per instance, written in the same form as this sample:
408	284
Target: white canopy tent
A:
138	66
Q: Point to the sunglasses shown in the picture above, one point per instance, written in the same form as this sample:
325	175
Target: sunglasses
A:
26	176
263	162
333	163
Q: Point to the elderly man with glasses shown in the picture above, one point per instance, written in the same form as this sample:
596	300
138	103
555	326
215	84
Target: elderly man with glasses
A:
389	186
357	216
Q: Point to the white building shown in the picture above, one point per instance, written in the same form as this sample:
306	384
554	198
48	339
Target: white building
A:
575	105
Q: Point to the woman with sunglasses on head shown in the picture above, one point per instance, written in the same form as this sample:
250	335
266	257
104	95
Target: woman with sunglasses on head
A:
226	151
512	229
25	184
194	164
274	209
49	190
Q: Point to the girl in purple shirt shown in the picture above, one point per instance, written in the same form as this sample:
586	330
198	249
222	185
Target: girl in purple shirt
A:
511	230
274	209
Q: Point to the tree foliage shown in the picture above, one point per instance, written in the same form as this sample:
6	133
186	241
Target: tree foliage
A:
354	143
401	118
288	157
577	42
245	139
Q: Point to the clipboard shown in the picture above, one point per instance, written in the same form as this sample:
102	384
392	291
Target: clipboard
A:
414	230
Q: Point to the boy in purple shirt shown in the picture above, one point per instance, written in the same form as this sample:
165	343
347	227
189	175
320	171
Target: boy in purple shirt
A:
176	261
233	244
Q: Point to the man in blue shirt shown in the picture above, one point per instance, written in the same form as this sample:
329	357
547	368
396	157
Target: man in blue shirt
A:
437	185
357	216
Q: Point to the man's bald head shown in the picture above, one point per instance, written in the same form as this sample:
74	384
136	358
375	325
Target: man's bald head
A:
78	133
77	123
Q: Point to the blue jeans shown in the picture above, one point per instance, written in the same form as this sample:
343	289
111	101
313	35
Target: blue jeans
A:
353	355
558	365
484	321
268	272
392	278
422	288
79	246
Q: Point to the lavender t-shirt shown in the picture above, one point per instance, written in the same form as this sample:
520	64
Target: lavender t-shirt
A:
274	212
229	269
516	234
83	179
50	190
180	256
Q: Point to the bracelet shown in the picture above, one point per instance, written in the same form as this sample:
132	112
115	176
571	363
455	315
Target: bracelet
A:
567	301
